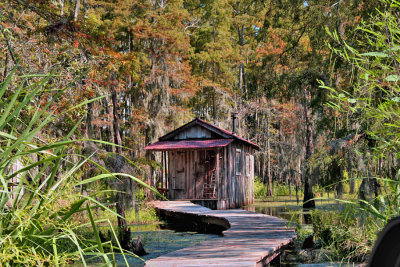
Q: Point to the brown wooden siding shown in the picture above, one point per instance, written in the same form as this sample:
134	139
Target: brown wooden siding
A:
188	171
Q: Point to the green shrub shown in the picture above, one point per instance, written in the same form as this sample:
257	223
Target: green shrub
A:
143	214
346	235
260	189
279	189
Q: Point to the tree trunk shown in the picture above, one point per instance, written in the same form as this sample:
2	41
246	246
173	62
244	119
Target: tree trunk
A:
308	193
299	177
62	7
89	119
117	135
350	171
107	130
242	73
269	154
123	231
84	4
76	11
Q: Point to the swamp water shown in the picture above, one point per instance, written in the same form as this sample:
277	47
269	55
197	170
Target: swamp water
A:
289	209
158	240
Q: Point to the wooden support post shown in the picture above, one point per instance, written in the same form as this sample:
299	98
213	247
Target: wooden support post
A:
163	169
217	180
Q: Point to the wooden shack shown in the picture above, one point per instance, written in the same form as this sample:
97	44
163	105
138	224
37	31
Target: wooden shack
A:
208	165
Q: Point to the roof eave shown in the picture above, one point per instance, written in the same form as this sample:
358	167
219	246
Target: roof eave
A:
198	121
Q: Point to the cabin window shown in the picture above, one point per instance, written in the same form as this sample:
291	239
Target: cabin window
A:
248	165
238	162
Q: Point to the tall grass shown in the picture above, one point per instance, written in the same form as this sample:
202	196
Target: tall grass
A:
38	194
346	235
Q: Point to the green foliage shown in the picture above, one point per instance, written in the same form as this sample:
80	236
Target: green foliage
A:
372	103
374	98
346	235
260	189
349	234
278	189
387	204
140	194
39	198
142	214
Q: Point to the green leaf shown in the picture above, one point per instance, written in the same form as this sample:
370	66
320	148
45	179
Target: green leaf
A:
375	54
10	105
6	135
67	213
393	48
392	78
6	82
96	178
55	252
351	100
96	234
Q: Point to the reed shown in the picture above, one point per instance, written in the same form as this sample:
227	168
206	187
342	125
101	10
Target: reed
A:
39	194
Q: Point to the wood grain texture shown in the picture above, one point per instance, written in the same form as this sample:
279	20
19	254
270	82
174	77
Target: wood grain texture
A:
252	240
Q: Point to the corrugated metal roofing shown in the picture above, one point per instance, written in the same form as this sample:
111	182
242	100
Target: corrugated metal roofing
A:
222	132
188	144
230	133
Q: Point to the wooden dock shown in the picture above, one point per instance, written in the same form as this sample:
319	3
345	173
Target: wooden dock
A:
252	239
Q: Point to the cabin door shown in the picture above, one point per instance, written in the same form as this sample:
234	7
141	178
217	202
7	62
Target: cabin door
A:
180	176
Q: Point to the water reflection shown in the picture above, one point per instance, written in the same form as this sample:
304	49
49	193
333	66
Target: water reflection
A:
291	210
295	213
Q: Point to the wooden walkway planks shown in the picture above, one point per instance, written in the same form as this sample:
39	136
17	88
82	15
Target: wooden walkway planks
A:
252	240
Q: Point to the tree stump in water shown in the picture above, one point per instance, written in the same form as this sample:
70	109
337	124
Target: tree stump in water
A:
129	244
138	248
126	242
124	237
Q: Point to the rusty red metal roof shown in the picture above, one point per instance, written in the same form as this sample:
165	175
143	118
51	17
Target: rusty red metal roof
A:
188	144
217	130
230	133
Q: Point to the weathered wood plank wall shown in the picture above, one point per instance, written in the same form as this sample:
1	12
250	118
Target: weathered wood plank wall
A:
189	170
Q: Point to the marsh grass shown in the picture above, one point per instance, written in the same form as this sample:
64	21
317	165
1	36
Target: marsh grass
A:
349	232
346	235
39	195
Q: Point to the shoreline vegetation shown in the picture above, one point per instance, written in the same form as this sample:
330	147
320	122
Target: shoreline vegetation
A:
339	230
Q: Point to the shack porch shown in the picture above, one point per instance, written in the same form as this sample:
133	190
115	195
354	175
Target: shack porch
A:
194	175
